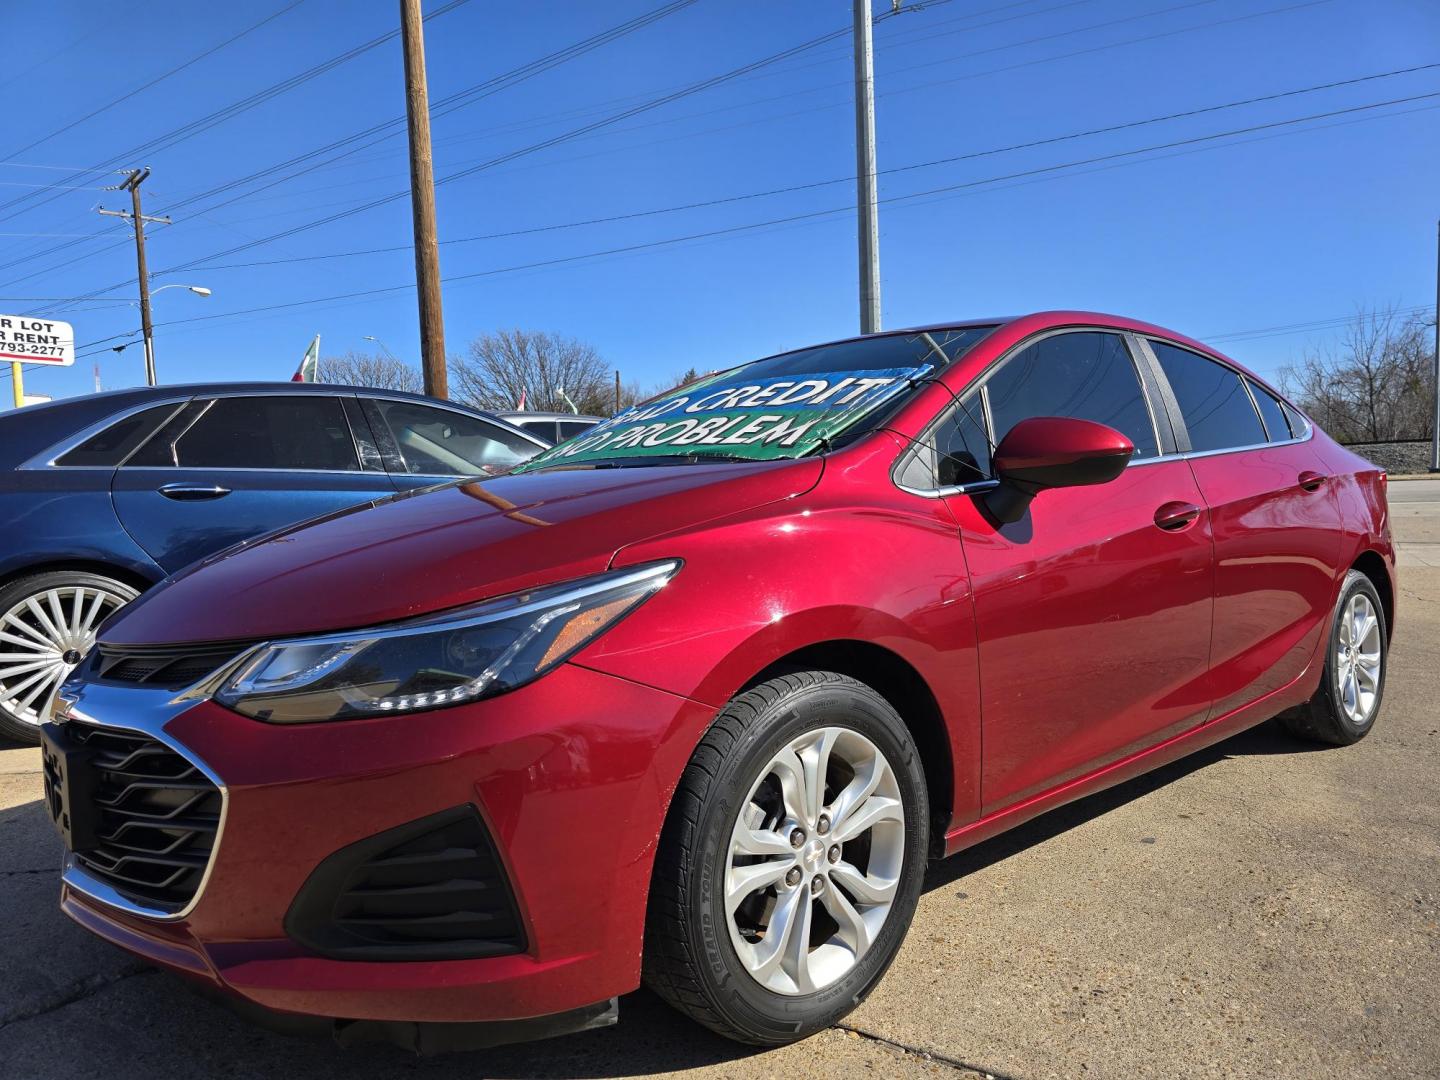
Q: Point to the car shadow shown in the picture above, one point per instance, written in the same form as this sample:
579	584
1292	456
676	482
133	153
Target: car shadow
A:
163	1028
1266	738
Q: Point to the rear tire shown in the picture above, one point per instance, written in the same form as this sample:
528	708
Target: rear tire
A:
1344	708
778	902
47	622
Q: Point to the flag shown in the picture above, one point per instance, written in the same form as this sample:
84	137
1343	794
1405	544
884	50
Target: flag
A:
309	363
521	406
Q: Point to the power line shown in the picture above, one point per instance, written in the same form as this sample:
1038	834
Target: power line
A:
48	187
274	183
1126	155
544	144
1024	64
159	78
847	103
396	124
1300	327
790	189
204	123
54	168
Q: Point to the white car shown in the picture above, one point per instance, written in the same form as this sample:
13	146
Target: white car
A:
554	426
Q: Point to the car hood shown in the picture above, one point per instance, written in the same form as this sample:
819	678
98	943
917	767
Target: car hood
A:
443	547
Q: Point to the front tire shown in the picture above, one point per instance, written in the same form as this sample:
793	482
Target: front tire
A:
791	861
1344	707
47	622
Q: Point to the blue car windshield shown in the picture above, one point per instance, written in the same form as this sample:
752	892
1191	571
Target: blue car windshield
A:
780	407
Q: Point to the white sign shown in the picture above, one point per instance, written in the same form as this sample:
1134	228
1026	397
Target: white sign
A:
33	340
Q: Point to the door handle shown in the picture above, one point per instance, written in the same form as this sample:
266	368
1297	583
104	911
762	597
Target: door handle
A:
1174	516
193	492
1311	481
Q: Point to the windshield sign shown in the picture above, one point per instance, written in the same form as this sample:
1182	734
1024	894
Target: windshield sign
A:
785	406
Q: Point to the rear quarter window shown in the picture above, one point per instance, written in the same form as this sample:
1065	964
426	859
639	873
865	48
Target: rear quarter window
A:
1213	402
1277	426
109	447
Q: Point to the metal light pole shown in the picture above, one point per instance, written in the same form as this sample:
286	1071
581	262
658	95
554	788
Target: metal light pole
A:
1435	434
866	195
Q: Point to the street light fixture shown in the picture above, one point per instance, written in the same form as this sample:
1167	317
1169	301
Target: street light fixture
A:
198	290
383	347
146	297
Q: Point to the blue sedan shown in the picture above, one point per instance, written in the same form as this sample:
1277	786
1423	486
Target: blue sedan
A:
102	496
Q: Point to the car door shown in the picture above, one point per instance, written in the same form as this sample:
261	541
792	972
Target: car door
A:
1093	611
429	444
1274	518
227	468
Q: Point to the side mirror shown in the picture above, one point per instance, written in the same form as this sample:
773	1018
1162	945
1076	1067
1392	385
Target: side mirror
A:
1049	452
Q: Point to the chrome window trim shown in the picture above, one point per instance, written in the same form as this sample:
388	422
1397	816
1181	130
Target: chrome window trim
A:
1309	434
243	469
145	712
971	488
47	458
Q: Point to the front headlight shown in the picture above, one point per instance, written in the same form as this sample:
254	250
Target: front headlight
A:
440	660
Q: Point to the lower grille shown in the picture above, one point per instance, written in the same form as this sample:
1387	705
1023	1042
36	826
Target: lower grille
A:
430	890
157	816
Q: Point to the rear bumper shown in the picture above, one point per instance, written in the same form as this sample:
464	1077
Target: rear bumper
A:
571	776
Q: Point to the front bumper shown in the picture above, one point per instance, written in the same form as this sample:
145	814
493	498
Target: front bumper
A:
571	776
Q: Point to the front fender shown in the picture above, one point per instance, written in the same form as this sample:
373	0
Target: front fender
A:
817	569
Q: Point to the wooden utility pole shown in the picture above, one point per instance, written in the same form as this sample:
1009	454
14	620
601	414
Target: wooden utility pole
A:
137	220
617	390
422	202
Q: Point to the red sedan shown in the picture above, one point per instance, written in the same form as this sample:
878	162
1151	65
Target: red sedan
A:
692	699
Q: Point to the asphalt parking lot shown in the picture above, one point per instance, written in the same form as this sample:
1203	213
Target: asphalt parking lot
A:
1264	908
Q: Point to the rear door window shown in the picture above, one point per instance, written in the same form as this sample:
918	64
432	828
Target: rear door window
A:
307	432
1218	412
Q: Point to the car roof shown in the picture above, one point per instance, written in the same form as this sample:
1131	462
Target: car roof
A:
530	414
1052	317
36	427
1039	321
166	390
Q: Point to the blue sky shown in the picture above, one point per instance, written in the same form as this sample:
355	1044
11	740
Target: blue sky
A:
1291	225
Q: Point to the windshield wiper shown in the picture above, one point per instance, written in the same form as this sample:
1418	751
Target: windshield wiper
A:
640	461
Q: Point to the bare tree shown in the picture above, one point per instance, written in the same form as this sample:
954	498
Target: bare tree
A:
368	369
1376	384
498	368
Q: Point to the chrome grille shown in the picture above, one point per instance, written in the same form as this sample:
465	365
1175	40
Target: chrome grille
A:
158	816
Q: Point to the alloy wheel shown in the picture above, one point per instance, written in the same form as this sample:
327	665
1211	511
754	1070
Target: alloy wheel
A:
814	862
43	636
1358	657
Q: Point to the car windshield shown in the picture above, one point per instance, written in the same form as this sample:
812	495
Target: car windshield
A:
781	407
